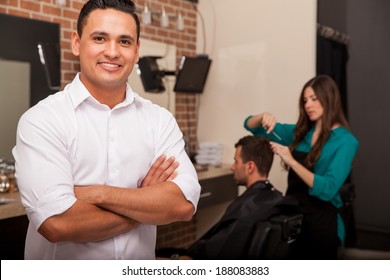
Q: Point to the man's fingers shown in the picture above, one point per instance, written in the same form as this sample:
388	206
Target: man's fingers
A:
162	170
157	164
165	170
149	176
168	172
173	176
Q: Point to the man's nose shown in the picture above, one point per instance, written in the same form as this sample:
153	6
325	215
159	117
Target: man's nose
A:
111	49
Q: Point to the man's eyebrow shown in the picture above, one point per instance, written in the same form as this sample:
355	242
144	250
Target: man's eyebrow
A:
102	33
129	37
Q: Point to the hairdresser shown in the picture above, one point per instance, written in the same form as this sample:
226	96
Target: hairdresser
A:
318	152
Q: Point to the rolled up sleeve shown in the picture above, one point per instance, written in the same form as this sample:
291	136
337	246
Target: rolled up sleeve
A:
170	142
43	170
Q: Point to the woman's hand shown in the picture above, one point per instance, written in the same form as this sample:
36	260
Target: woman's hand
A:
268	122
162	170
283	152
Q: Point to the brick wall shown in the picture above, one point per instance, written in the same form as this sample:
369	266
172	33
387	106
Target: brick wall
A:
178	234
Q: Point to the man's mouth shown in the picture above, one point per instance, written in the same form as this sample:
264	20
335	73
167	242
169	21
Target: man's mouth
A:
109	65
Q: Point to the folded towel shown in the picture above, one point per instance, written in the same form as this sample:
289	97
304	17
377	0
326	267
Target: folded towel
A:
209	153
209	144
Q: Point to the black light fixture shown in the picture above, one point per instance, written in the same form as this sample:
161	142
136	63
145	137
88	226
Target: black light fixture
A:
150	74
192	74
190	77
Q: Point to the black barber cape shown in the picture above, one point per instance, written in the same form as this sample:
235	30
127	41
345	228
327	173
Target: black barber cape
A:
230	237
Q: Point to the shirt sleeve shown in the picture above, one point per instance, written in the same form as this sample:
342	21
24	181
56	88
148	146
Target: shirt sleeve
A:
43	170
170	142
326	186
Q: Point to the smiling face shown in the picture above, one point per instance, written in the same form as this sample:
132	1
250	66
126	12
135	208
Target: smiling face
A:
108	50
312	105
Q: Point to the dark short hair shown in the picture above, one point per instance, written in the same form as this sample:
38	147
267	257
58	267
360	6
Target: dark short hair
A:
126	6
258	150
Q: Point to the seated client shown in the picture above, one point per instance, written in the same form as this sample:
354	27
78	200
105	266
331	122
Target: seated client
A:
230	237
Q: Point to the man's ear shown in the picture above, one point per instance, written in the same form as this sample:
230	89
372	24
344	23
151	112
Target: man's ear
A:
251	167
75	43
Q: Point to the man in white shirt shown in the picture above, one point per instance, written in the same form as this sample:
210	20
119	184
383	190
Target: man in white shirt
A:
88	158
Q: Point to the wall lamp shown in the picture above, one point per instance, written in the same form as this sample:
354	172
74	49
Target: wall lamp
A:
149	16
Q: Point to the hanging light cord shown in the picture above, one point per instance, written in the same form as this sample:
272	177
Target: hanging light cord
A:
203	25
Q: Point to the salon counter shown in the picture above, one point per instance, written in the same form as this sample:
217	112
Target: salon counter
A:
218	186
13	225
11	206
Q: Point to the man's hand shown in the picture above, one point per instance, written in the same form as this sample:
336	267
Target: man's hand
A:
162	170
89	194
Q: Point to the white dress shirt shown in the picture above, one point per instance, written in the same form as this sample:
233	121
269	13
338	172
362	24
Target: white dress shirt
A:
70	139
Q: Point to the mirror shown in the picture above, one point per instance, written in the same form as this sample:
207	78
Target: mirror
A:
14	101
24	79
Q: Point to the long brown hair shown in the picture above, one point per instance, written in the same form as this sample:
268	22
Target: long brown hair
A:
328	95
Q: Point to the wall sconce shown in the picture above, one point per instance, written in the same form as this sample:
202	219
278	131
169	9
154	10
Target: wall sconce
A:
60	2
164	19
146	15
150	16
180	22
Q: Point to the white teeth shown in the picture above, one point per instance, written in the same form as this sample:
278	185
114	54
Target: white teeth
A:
110	65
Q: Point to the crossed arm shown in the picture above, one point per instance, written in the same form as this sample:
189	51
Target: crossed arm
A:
84	222
102	212
158	201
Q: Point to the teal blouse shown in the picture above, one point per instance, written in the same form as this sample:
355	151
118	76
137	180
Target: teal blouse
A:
332	168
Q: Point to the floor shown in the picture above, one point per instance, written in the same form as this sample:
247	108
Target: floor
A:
361	254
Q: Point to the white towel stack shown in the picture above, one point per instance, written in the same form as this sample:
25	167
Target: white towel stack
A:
209	153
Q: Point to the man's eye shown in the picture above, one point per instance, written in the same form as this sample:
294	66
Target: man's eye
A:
125	42
98	39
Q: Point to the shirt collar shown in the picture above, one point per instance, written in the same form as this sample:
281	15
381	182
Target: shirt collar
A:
79	93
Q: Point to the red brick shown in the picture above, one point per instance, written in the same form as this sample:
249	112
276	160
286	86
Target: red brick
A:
9	3
51	10
18	13
30	6
39	16
70	14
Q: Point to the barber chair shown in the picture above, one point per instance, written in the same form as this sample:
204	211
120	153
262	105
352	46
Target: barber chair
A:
274	238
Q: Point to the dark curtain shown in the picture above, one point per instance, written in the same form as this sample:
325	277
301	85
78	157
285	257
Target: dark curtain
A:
332	58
